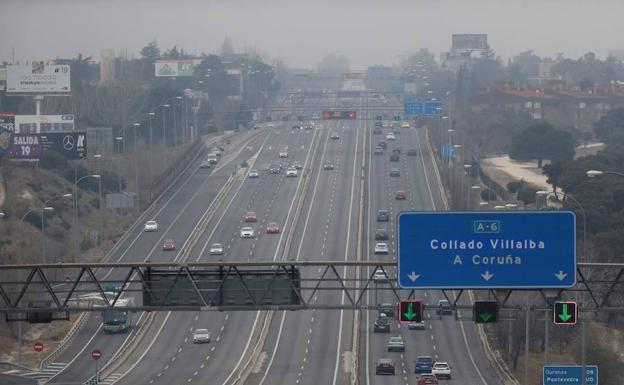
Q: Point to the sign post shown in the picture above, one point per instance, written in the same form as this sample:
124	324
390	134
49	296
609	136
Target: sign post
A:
96	354
486	250
38	348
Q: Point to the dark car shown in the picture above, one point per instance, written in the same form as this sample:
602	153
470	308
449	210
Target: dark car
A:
377	131
396	150
381	325
444	307
378	124
382	144
383	216
394	158
275	169
381	235
423	364
400	195
379	150
395	172
328	166
412	152
387	309
385	366
296	127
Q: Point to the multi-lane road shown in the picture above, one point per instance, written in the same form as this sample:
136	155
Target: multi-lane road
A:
327	215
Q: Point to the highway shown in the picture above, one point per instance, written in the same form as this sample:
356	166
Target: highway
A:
325	215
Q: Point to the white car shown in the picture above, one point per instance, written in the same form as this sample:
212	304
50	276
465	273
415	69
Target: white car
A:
216	249
247	232
151	226
201	336
291	171
390	136
441	370
380	276
381	248
253	174
405	125
270	125
283	154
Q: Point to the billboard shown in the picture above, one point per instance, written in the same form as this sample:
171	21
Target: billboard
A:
73	145
174	68
25	124
25	147
469	42
38	77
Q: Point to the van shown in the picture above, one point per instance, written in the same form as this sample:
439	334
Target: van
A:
212	158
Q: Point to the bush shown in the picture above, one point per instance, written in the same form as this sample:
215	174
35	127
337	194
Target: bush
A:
52	160
488	195
86	244
527	194
514	186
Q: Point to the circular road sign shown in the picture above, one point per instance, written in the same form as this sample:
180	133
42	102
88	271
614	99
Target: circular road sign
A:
38	346
96	354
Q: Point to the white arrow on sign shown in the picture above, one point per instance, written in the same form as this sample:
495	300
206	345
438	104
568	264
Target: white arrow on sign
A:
413	276
487	275
561	275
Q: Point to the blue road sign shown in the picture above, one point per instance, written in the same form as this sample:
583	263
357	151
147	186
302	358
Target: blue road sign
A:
413	108
447	150
472	250
569	374
398	87
433	107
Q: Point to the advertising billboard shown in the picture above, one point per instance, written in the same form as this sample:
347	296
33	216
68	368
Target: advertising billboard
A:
26	124
73	145
469	42
25	147
38	77
174	68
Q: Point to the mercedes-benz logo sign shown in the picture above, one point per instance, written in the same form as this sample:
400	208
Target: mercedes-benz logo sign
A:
68	142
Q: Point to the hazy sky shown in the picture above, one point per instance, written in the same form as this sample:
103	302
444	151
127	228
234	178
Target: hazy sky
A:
301	31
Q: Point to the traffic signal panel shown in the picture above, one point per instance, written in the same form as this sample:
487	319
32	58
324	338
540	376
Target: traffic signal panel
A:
410	311
485	312
565	313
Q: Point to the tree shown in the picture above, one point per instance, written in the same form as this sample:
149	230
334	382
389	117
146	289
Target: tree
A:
610	128
554	171
151	51
333	63
542	141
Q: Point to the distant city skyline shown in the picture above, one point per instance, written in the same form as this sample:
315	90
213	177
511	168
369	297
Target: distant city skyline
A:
301	32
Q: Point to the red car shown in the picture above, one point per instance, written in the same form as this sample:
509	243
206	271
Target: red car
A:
427	379
400	195
272	228
168	244
250	217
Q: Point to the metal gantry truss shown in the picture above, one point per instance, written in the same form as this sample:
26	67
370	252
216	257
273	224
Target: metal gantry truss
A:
219	286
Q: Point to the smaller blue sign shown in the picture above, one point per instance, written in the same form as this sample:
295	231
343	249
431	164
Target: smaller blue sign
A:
413	108
399	88
569	374
433	108
447	150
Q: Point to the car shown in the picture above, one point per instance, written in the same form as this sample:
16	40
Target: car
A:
275	169
381	248
396	131
250	216
382	144
334	136
395	172
381	235
378	124
394	158
272	228
379	150
377	131
423	364
383	216
151	226
381	325
387	309
380	276
283	154
328	166
296	127
297	166
217	151
405	125
216	249
427	379
309	126
412	152
247	232
390	136
444	307
315	116
253	173
291	172
385	366
396	344
212	158
270	125
441	370
416	325
201	336
400	195
396	150
204	164
168	244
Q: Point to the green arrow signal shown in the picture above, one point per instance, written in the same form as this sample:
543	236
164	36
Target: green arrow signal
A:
564	316
485	316
410	312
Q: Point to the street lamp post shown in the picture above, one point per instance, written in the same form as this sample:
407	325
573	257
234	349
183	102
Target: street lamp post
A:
76	232
151	144
472	188
136	167
164	106
43	210
595	173
119	140
568	195
467	168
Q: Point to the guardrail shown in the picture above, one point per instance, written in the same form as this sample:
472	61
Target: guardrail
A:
62	346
